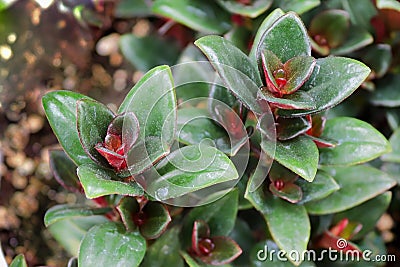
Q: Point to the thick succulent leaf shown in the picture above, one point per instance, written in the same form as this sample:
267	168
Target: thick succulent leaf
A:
332	81
164	251
18	261
153	102
288	128
300	155
67	211
109	245
393	156
93	119
265	25
126	208
322	186
234	68
69	232
203	16
190	169
357	185
366	214
332	25
387	95
99	182
149	51
280	217
286	38
64	170
225	251
298	6
358	142
157	220
60	110
253	10
219	215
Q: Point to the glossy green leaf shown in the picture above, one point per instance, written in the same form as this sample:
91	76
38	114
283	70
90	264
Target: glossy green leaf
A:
190	169
234	68
290	192
153	102
286	38
70	232
67	211
225	251
280	217
99	182
333	80
358	142
18	261
322	186
64	170
165	251
253	10
300	155
109	245
265	25
361	12
386	94
60	109
131	9
149	51
366	214
194	126
127	207
157	220
298	100
378	57
220	215
394	155
288	128
93	119
298	6
359	39
203	16
357	185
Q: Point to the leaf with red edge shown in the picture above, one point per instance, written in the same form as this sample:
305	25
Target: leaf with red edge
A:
93	119
64	171
298	100
156	220
288	128
200	230
126	208
279	172
289	192
225	251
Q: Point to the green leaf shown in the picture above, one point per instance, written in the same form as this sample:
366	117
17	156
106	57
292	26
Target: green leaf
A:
64	170
298	6
69	232
388	4
193	263
361	12
358	142
157	220
109	245
379	58
234	68
132	8
242	234
322	186
386	94
357	185
153	102
60	110
333	80
265	25
4	4
280	217
66	211
99	182
225	251
126	208
300	155
286	38
366	214
165	251
253	10
190	169
359	39
93	119
147	52
297	100
394	140
18	261
203	16
220	215
288	128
